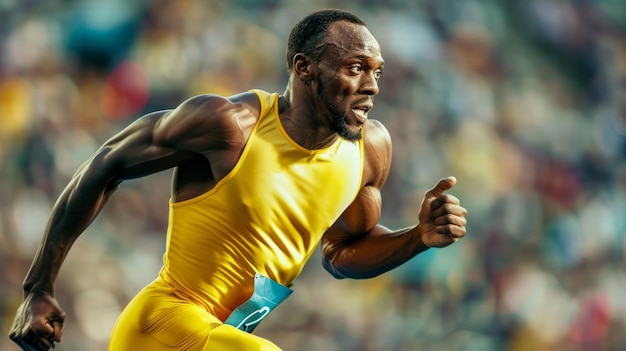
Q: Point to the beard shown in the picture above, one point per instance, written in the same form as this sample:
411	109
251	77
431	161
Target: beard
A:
338	122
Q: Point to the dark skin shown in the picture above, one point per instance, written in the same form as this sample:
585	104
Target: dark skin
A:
202	140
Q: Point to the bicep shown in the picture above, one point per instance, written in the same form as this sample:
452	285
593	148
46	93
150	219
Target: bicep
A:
341	241
131	153
164	139
134	152
360	217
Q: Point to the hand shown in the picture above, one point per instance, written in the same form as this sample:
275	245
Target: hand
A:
38	324
442	219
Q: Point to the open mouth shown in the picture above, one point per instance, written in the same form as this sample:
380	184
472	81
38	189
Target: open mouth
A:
361	112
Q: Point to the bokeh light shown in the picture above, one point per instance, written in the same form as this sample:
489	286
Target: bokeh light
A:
524	101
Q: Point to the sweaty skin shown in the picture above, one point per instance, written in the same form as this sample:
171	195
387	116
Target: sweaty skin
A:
203	138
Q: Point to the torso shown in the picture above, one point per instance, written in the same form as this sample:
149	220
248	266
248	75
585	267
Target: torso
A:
262	214
200	174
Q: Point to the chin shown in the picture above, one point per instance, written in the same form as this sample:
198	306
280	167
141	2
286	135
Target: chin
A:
340	126
351	134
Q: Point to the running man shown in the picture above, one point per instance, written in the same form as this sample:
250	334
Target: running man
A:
260	180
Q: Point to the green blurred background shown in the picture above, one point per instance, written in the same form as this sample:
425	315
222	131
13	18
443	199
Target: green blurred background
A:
523	101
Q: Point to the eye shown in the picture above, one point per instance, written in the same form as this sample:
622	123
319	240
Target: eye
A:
378	73
356	68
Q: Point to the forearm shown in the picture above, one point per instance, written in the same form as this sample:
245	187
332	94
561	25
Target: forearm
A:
378	251
76	207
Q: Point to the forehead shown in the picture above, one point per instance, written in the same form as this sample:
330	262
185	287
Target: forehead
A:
346	39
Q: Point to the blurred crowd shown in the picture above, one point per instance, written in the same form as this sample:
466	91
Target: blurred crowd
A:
523	101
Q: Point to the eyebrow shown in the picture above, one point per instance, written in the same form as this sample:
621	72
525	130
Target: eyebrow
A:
367	58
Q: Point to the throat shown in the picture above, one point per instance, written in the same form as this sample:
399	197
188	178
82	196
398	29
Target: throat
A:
307	136
322	144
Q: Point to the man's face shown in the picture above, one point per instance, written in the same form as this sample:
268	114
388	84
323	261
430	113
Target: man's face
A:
347	79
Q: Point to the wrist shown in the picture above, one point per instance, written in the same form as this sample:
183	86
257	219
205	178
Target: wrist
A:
420	245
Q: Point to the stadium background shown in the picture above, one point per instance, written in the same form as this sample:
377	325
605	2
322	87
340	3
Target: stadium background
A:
523	101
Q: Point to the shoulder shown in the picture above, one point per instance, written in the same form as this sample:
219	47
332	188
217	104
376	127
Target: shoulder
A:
217	107
376	133
378	149
208	121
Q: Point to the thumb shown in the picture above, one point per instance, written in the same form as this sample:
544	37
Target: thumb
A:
442	185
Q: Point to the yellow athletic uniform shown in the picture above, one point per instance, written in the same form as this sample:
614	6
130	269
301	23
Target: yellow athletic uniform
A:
265	217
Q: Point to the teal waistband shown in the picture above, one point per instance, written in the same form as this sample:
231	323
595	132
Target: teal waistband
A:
267	295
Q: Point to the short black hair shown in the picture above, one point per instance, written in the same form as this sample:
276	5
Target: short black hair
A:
307	36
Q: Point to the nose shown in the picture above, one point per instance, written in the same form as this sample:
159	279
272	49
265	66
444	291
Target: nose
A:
369	85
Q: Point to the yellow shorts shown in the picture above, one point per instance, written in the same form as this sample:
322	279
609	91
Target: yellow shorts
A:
157	320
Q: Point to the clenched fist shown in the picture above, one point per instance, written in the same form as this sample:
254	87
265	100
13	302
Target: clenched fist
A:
442	219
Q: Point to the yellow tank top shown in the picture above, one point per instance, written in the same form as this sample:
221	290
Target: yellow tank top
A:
267	215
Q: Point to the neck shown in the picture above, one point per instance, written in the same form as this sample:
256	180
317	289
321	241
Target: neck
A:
301	119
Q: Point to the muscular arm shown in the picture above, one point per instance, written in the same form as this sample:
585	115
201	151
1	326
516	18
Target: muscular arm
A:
358	247
153	143
131	153
369	253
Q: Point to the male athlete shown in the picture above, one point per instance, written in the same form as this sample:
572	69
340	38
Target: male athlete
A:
260	180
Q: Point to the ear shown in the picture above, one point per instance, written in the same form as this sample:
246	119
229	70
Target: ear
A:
303	68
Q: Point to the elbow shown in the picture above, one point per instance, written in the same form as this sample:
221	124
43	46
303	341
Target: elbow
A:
346	269
344	261
332	270
332	261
